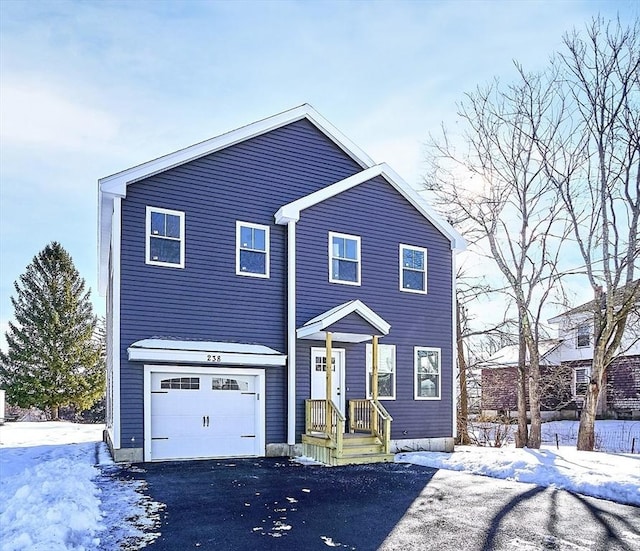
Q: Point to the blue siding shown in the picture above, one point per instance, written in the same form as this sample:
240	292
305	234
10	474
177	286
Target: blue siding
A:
206	300
383	219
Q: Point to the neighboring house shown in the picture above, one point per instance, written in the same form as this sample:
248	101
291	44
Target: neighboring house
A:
621	398
500	375
566	370
233	268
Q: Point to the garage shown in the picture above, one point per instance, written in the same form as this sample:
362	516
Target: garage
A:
196	413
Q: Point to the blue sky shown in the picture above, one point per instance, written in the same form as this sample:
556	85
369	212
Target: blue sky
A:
91	88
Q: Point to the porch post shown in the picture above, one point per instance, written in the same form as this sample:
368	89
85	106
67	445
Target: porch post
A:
374	367
329	363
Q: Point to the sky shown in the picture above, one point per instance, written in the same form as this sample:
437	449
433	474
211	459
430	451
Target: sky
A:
53	496
91	88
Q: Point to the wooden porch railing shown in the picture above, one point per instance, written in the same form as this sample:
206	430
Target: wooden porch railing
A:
316	416
371	416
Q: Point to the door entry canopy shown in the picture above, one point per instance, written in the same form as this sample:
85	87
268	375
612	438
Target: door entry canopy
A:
352	321
204	352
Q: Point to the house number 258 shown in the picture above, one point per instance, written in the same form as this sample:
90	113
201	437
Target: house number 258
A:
213	357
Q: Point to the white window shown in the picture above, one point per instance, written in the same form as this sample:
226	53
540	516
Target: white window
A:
344	258
386	371
580	381
413	269
583	336
428	373
252	249
165	237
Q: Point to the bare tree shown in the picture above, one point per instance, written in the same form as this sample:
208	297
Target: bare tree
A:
500	187
594	163
469	334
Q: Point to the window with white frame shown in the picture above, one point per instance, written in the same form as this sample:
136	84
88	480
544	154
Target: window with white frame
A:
386	371
165	237
428	373
580	381
344	258
413	269
252	249
583	336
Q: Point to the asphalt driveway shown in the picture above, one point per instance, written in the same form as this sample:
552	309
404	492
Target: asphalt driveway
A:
256	504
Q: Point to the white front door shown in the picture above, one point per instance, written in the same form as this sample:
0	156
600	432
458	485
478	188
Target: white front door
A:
319	376
203	414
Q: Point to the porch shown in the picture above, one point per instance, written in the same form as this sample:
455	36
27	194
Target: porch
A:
368	436
367	441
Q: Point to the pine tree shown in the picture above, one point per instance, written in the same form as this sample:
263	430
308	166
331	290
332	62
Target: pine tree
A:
54	355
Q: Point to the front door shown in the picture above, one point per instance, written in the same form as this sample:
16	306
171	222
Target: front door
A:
319	376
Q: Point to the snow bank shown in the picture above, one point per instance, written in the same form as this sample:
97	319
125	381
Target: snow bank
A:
59	490
52	504
608	476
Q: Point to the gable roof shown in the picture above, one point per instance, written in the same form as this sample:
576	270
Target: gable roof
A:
315	327
508	355
621	294
115	185
291	211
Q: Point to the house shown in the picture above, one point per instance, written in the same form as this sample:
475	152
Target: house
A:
234	268
621	398
499	376
565	368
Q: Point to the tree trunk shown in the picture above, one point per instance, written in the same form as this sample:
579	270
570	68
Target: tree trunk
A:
522	436
463	408
587	429
55	413
535	433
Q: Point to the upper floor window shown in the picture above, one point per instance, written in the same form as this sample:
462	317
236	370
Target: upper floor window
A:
583	336
386	371
428	373
413	269
252	249
165	237
344	258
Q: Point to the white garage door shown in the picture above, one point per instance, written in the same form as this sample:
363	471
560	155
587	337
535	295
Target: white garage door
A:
199	415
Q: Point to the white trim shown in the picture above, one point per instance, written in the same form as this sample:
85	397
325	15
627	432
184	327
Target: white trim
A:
369	369
116	235
328	318
149	369
416	349
116	184
291	211
404	246
454	352
148	236
211	353
358	259
239	225
291	333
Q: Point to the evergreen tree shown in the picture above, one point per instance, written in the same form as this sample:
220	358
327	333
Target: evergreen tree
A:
54	355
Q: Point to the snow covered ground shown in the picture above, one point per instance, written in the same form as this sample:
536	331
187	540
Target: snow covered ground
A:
606	475
58	489
58	492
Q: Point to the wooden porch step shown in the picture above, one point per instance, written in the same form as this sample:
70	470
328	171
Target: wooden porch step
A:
357	449
362	459
361	449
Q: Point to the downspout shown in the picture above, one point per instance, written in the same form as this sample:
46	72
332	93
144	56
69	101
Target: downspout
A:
291	334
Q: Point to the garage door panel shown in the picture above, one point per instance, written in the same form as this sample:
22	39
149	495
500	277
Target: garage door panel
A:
176	425
204	415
